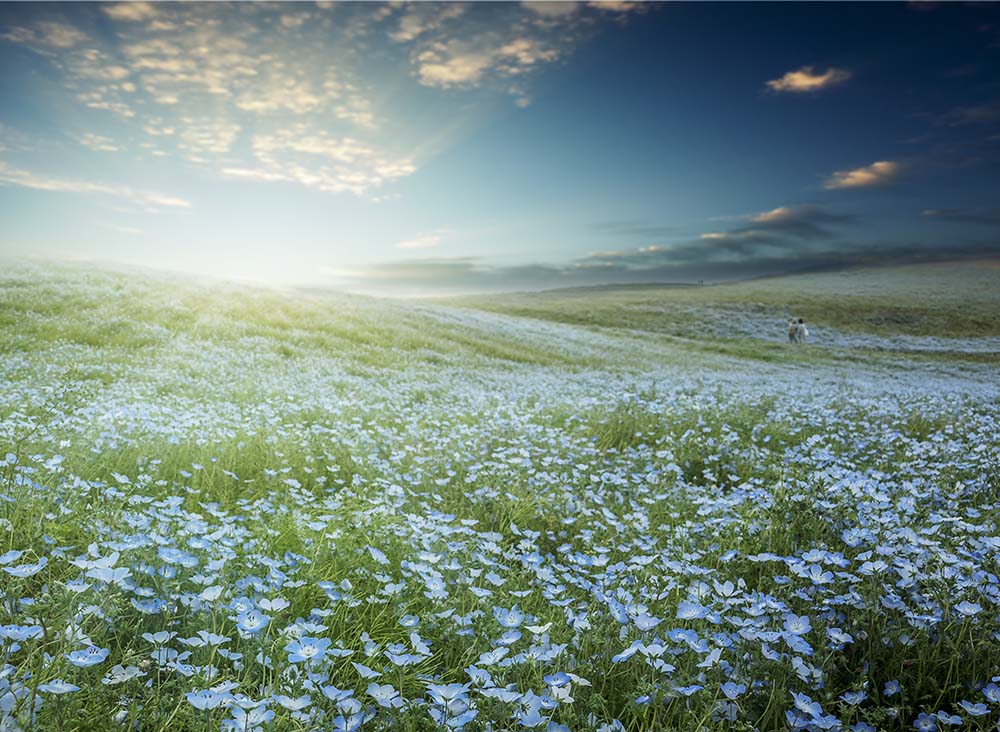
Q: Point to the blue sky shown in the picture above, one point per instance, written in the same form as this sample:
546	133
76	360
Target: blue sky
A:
412	148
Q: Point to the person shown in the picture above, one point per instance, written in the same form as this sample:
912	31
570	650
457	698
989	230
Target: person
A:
801	332
793	330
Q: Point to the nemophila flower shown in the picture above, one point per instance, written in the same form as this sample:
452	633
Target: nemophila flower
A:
950	719
293	704
27	570
276	604
21	633
307	649
120	674
109	575
248	720
409	621
90	656
806	705
252	622
58	686
853	697
691	611
11	556
688	690
205	699
366	673
976	710
479	676
839	637
491	658
159	638
968	609
204	638
385	695
891	688
348	723
646	622
152	606
925	722
511	618
732	690
797	624
613	726
992	693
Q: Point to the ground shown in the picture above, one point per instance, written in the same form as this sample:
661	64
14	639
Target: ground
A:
247	508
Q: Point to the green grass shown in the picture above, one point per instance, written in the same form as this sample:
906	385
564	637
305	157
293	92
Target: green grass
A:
950	300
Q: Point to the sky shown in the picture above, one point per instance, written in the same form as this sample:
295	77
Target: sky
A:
442	147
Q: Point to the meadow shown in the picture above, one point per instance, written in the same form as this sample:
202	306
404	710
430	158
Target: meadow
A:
235	508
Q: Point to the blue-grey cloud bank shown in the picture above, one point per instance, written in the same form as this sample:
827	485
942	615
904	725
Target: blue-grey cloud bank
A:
434	147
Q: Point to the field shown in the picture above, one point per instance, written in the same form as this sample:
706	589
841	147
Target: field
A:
625	509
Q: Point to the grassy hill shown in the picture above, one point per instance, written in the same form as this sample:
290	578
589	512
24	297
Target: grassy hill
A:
952	300
222	503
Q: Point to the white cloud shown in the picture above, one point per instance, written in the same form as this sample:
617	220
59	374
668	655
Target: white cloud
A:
423	241
321	161
807	79
131	12
17	177
775	215
98	143
44	35
421	18
463	63
212	135
878	173
618	6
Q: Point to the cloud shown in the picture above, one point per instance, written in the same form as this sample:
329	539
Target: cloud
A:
150	200
619	6
978	114
206	136
551	8
878	173
321	161
132	12
98	143
495	43
423	241
807	79
45	36
422	18
221	86
988	216
780	239
786	231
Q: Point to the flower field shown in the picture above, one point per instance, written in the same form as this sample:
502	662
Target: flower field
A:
231	509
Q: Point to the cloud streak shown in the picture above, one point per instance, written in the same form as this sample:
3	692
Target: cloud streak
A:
150	200
986	216
879	173
807	80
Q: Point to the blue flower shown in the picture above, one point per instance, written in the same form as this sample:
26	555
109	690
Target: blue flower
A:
385	695
252	622
90	656
307	649
976	710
